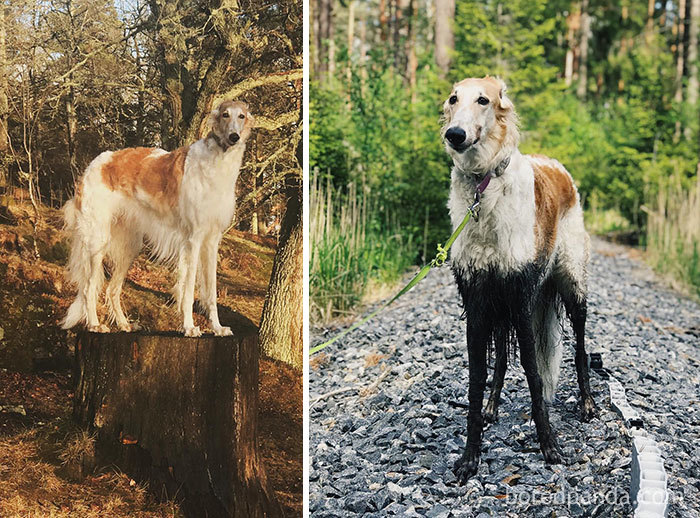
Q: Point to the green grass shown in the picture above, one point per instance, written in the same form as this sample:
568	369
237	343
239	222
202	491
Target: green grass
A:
353	246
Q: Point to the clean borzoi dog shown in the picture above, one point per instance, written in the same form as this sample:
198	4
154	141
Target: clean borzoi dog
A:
179	202
516	264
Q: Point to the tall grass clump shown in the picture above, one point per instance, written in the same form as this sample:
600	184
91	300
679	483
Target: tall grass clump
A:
673	232
353	245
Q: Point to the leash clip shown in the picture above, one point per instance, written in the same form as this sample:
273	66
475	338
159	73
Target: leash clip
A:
474	209
440	257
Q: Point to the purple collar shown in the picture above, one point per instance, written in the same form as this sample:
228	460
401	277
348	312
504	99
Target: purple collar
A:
496	171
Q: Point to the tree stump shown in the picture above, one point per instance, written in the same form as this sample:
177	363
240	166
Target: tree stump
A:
180	413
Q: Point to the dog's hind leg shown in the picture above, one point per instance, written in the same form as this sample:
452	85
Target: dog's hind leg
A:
526	339
94	287
570	277
210	249
478	331
499	373
576	309
123	248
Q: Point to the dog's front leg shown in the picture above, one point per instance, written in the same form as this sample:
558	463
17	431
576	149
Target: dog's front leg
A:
186	280
210	251
526	338
477	342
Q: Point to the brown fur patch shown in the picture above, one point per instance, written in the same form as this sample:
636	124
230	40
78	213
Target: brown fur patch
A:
78	195
555	193
159	176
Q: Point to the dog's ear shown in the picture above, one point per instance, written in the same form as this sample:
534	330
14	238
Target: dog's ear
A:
213	116
505	101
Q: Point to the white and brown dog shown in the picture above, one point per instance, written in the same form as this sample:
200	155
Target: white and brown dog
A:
180	203
516	265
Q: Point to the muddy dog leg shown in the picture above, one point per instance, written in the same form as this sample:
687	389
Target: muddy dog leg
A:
499	373
526	339
477	342
576	310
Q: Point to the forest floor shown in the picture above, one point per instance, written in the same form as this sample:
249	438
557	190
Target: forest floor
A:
388	416
36	432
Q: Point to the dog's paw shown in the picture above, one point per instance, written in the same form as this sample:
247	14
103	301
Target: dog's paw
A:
551	451
589	410
490	412
193	331
467	465
130	327
99	328
223	331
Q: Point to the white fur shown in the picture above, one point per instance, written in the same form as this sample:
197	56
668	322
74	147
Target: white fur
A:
503	238
113	225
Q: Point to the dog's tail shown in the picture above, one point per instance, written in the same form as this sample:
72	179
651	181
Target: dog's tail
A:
548	343
78	266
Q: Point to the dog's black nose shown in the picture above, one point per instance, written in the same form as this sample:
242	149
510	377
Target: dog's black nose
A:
456	136
233	137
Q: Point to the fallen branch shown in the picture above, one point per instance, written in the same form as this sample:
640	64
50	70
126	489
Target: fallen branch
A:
331	394
364	392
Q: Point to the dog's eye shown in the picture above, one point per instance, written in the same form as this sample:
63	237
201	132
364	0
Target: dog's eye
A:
453	99
241	116
483	101
225	115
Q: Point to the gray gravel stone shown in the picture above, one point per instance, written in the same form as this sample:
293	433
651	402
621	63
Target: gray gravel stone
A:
390	452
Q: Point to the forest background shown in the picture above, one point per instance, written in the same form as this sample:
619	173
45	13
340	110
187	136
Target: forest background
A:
609	88
78	77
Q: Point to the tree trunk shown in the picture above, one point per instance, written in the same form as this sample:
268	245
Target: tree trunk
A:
692	93
281	328
650	17
680	64
314	40
583	61
180	413
397	35
412	63
324	37
4	107
383	20
444	37
351	41
281	333
573	22
71	129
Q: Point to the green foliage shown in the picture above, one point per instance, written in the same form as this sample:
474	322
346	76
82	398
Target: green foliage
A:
621	143
352	248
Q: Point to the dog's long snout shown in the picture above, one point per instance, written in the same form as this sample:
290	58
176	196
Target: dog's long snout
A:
234	137
456	136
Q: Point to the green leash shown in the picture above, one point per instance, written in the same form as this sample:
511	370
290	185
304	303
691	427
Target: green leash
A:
439	260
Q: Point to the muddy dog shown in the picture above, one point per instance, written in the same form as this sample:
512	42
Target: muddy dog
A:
517	263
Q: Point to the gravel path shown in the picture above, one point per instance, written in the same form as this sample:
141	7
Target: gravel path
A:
390	420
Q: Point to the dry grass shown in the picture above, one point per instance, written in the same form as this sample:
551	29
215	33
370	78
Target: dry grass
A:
80	445
31	485
673	233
